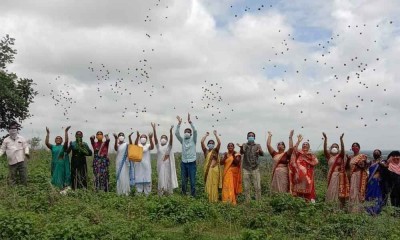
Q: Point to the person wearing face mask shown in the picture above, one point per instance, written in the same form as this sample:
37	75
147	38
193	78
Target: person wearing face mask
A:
251	172
80	150
212	167
280	173
338	182
301	171
232	177
100	160
358	178
375	187
60	169
124	167
143	168
390	171
189	155
17	150
167	179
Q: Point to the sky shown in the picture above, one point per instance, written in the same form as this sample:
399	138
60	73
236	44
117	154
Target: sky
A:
235	65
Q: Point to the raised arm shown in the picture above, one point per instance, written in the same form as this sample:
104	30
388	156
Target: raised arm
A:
326	152
178	129
342	150
193	129
153	125
66	139
290	150
130	138
299	139
218	140
203	145
92	141
171	135
116	142
151	141
241	148
271	150
137	138
47	142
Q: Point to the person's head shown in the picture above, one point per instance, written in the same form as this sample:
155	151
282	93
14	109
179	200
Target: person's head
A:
355	147
251	136
79	134
305	146
395	157
281	146
163	140
143	139
334	149
13	129
231	147
187	133
58	140
121	137
377	154
99	136
210	144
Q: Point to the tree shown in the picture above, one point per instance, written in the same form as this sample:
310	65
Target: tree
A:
16	94
35	142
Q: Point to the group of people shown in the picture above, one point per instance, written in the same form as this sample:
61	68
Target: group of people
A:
352	179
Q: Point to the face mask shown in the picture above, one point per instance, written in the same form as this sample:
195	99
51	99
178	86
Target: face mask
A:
143	140
163	141
187	135
210	146
250	139
121	138
13	133
334	150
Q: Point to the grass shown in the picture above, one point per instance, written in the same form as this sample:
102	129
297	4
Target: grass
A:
40	212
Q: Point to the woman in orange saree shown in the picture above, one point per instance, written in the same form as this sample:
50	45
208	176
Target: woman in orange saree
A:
338	183
232	177
358	178
301	171
280	172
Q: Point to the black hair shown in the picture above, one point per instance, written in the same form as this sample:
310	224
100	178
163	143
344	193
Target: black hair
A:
380	152
230	143
121	134
393	154
210	141
283	143
357	144
335	144
14	124
164	136
78	132
99	132
188	129
252	133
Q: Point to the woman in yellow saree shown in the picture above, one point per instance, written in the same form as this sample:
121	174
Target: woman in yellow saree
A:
212	167
232	177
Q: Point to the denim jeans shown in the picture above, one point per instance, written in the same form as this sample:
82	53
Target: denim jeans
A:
188	170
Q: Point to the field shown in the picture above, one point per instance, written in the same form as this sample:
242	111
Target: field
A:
40	212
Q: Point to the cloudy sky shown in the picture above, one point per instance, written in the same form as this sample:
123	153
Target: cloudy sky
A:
235	65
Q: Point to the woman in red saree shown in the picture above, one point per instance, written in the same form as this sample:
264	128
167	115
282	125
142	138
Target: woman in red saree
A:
338	182
358	178
280	172
232	177
301	171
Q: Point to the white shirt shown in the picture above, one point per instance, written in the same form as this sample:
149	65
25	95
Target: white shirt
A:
14	149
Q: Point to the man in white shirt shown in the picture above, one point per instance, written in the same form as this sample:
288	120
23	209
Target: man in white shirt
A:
17	150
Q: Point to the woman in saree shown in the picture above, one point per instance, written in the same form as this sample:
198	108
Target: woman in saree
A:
280	172
124	167
338	183
375	189
358	178
232	177
60	172
212	167
100	161
301	171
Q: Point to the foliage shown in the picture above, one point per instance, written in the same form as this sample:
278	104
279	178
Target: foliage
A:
35	142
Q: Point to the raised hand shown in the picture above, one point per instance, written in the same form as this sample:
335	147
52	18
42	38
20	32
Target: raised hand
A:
239	145
92	137
179	120
189	121
67	129
172	127
137	134
341	136
269	134
323	134
207	134
47	130
291	133
107	137
299	137
115	135
215	132
130	134
153	125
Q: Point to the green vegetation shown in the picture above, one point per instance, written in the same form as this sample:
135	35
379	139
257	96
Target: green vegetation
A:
40	212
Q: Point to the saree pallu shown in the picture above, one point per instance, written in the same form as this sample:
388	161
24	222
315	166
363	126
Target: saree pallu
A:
232	181
358	183
212	177
338	182
301	175
374	191
280	174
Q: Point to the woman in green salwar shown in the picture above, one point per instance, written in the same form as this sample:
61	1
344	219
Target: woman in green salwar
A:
60	169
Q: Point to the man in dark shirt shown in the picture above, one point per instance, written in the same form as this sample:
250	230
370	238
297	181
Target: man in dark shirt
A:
251	172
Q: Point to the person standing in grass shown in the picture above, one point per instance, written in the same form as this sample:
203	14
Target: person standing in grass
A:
17	150
301	171
232	177
100	161
212	167
375	187
80	150
60	167
280	172
189	155
167	179
124	167
391	175
338	182
251	172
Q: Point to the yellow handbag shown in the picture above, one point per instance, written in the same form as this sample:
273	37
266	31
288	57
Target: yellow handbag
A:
135	153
